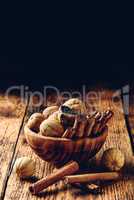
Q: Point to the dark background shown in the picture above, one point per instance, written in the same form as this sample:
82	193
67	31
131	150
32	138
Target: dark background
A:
78	45
61	71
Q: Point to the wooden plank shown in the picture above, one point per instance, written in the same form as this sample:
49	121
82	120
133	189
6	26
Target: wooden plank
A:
129	117
12	112
118	137
17	189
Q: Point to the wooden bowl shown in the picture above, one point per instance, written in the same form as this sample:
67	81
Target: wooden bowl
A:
60	150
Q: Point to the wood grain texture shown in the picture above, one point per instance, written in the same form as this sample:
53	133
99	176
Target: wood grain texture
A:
12	112
129	117
61	150
118	137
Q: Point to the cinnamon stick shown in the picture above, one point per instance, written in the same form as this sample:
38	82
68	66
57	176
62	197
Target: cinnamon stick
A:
97	116
68	169
70	132
89	116
82	122
97	123
85	178
90	125
107	116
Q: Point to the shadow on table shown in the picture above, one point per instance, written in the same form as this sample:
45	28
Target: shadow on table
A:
84	189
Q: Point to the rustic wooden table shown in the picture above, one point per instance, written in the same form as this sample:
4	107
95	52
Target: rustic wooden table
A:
12	120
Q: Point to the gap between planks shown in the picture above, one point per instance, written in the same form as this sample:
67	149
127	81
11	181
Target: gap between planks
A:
129	117
9	169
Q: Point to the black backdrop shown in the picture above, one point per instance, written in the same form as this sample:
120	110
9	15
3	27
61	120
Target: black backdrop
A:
63	72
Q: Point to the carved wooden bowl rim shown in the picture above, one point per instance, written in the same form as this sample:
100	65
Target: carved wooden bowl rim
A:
29	132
